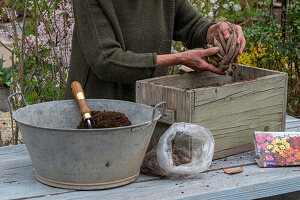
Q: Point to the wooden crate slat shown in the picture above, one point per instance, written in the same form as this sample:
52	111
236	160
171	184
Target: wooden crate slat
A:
232	151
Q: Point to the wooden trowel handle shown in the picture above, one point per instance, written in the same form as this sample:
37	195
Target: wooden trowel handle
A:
81	101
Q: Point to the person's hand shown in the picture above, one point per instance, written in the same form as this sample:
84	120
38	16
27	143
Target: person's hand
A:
195	59
223	28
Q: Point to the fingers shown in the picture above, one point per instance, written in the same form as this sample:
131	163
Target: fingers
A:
243	43
241	40
204	66
216	70
209	52
186	69
224	28
239	33
211	33
194	59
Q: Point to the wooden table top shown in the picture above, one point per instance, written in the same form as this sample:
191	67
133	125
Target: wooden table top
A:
17	180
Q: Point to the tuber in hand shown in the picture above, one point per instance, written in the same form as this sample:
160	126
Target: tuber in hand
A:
226	58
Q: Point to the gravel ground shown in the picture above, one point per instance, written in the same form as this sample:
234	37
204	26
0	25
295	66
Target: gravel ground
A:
5	128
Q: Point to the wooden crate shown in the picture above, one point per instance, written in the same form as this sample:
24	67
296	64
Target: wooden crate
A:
254	99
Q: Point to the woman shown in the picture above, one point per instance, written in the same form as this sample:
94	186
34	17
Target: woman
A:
116	43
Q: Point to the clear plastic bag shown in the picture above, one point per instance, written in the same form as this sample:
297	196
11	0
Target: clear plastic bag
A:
184	149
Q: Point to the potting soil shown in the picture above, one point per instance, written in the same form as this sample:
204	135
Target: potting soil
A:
106	119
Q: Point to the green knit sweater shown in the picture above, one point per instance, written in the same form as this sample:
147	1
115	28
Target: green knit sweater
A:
115	42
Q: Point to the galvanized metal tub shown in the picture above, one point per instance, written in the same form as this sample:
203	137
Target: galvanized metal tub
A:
85	159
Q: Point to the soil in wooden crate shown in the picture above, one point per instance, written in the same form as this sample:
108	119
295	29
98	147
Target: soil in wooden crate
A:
220	84
106	119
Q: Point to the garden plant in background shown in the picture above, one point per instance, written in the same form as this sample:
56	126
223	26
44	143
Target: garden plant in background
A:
42	45
277	47
41	37
5	74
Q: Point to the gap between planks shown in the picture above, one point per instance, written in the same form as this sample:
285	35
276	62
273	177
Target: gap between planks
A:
41	196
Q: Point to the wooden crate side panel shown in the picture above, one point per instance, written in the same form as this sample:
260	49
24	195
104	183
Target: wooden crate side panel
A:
268	116
237	100
179	102
233	150
190	80
244	72
234	112
190	107
196	80
229	139
140	92
227	92
237	137
285	101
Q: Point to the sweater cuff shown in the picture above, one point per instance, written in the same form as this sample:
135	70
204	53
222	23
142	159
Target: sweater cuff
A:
155	64
155	59
200	35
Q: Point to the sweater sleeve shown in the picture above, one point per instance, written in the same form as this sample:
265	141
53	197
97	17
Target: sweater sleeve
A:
102	51
190	27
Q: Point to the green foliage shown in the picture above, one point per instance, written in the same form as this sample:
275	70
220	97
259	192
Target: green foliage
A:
5	74
41	73
42	85
293	102
277	47
177	47
280	43
234	11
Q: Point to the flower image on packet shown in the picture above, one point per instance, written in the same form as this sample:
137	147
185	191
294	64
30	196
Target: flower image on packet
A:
276	149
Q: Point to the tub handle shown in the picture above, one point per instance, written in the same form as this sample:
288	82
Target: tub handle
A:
9	102
164	104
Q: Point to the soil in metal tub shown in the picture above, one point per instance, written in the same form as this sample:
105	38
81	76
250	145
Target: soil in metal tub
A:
106	119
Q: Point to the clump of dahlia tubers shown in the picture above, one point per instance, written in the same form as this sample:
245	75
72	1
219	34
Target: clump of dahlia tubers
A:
225	59
179	156
150	165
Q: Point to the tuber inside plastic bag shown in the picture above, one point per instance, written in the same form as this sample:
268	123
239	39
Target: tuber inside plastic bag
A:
184	149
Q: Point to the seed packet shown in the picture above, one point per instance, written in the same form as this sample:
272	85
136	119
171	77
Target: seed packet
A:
276	149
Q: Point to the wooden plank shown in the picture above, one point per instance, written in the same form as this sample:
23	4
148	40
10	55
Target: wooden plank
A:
292	124
169	117
285	101
17	177
188	81
254	182
233	150
242	159
180	104
244	72
194	80
175	99
293	127
189	106
291	119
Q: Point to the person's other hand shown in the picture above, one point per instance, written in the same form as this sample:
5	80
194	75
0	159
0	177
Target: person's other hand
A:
223	28
195	59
